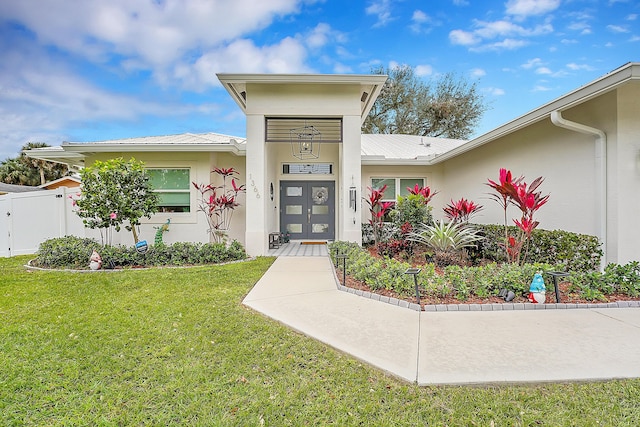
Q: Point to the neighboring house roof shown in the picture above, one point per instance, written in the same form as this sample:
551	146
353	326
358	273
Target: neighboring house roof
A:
13	188
65	181
394	149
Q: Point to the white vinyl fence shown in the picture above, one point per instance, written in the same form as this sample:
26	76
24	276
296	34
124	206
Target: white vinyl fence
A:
28	219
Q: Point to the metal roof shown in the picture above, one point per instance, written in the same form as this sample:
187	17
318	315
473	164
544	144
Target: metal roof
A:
395	149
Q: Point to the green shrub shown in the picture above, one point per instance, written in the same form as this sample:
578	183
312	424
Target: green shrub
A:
66	252
458	282
413	210
74	252
572	251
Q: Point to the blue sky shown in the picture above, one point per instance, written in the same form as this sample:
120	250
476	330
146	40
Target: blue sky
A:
104	69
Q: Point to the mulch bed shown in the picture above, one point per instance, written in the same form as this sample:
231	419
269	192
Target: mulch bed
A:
565	296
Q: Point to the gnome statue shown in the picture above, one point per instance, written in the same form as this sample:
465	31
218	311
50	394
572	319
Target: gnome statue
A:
537	290
95	261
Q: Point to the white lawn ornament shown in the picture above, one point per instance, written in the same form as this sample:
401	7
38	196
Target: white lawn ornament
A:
537	290
95	261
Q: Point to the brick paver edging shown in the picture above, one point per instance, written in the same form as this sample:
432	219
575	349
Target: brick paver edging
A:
485	307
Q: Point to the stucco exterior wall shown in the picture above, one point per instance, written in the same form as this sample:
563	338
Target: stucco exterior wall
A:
564	159
626	165
190	226
264	160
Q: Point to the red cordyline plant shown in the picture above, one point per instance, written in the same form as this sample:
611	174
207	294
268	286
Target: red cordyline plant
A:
425	192
528	200
461	211
378	210
219	202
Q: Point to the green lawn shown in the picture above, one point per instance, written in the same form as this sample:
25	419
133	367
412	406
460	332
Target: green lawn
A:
176	347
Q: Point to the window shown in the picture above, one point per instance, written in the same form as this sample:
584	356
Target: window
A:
395	186
174	187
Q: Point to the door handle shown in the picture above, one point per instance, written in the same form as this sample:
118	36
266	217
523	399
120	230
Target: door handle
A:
309	216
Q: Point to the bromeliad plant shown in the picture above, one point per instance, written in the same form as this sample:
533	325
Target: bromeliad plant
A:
219	202
378	210
528	200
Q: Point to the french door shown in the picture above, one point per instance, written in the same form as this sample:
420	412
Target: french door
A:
307	209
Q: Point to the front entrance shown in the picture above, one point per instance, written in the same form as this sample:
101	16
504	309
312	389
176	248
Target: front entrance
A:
307	209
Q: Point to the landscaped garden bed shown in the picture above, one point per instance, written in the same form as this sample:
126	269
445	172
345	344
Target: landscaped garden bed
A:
74	253
465	263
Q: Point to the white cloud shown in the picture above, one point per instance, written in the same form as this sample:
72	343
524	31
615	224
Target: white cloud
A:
478	72
424	70
463	38
41	97
513	35
495	91
540	88
525	8
617	29
579	67
319	36
382	10
506	44
460	2
632	17
543	70
157	33
535	62
243	56
418	21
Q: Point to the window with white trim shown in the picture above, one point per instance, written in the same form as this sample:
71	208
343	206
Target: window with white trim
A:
174	188
395	186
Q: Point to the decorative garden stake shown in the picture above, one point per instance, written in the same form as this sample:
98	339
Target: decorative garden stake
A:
537	290
95	261
160	230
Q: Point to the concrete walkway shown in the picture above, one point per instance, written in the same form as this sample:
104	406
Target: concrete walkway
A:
450	347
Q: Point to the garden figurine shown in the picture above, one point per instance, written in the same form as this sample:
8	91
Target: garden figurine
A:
95	261
537	290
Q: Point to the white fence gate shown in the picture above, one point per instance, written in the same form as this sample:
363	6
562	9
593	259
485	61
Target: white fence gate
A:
28	219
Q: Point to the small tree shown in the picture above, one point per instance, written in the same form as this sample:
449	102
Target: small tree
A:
113	192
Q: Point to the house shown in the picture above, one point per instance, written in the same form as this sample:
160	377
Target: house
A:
307	167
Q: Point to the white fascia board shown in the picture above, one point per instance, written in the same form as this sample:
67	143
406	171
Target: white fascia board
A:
384	161
86	148
600	86
235	84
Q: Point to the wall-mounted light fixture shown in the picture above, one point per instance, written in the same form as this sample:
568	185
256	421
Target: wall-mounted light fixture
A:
353	199
271	191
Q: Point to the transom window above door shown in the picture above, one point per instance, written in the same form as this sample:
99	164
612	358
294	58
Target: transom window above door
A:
396	186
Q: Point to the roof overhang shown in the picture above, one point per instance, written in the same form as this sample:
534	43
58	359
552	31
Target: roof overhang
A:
73	154
607	83
370	85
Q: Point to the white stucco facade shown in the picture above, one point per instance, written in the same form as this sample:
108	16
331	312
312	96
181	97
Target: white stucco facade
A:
585	144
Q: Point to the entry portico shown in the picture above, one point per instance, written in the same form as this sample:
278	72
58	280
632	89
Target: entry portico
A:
288	117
